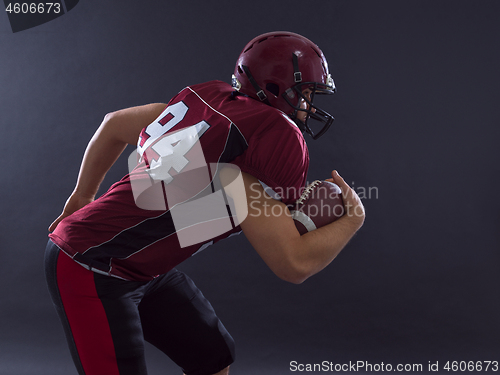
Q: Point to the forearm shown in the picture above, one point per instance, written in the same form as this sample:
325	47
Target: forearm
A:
315	250
102	151
117	130
293	257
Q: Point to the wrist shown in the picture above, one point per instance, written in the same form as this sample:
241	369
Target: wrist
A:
355	218
81	193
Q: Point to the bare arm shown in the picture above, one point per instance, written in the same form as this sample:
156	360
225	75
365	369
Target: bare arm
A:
272	233
117	130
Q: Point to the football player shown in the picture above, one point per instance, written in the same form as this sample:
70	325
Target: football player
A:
110	262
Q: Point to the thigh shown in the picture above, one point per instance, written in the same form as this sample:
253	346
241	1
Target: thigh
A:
99	315
180	321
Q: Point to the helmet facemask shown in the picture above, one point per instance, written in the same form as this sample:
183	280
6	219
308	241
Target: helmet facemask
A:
312	111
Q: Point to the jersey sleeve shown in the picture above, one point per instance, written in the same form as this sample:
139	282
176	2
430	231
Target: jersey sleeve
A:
278	157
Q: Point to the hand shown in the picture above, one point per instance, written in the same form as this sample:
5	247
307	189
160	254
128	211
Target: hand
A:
73	204
354	208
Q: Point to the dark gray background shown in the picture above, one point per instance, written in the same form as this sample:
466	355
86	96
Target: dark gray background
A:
417	115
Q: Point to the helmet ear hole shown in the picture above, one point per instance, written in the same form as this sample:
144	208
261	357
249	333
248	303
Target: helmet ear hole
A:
273	88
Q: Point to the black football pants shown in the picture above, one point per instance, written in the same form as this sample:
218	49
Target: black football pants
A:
106	320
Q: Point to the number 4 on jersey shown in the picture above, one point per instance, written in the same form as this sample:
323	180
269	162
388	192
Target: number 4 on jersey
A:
171	151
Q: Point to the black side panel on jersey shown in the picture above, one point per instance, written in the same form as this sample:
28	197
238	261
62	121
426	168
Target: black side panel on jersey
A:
128	242
235	146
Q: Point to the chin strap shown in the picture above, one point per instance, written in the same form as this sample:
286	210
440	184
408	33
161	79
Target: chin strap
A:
260	93
297	75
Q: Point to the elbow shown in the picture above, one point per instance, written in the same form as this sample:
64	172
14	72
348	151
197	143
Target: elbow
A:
294	275
108	117
108	122
296	279
294	270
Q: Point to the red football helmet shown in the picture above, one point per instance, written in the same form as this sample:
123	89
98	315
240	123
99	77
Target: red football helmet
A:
276	67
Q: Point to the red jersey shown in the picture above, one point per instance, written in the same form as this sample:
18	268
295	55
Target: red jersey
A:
120	235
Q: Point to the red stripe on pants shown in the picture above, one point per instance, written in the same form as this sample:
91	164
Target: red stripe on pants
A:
87	318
